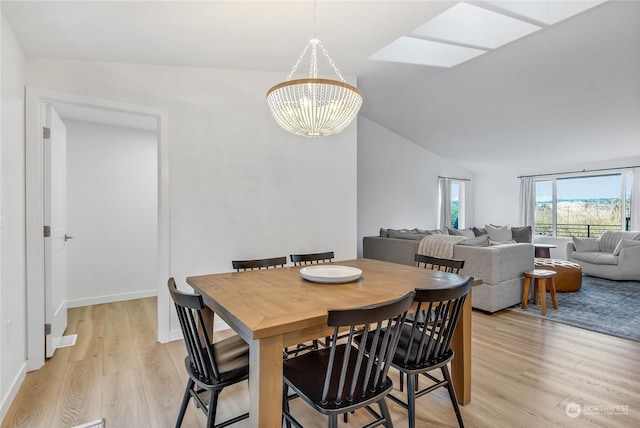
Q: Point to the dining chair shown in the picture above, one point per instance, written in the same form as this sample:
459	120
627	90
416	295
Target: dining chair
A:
437	263
244	265
305	259
211	367
309	259
342	377
433	263
424	347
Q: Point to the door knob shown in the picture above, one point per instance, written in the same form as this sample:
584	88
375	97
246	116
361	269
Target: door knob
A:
67	237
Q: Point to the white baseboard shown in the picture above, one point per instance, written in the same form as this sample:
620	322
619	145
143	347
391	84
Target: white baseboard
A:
98	300
175	334
218	325
13	390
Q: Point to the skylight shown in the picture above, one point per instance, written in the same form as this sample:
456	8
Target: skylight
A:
465	31
425	52
548	12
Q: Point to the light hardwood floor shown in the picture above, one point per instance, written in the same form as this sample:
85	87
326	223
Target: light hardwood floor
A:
526	370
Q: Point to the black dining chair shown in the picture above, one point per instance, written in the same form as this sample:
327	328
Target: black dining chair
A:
424	347
307	259
244	265
211	367
343	378
437	263
310	259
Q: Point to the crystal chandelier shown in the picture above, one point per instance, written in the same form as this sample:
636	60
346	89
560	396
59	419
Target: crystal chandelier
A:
314	107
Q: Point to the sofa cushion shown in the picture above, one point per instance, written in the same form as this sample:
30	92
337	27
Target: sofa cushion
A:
499	233
625	243
468	233
442	231
597	258
510	241
610	238
522	234
405	234
478	241
586	244
384	233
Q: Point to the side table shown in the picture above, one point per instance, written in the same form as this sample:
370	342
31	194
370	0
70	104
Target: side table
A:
539	277
542	250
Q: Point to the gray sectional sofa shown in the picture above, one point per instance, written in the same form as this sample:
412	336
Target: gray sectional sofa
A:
499	266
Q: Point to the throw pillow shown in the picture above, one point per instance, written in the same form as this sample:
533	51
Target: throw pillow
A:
461	232
478	241
497	233
405	234
584	245
479	232
625	243
522	234
384	233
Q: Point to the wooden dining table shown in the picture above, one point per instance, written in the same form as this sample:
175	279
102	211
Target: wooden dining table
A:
275	308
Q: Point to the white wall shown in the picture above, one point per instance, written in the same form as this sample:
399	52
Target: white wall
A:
398	182
112	206
12	251
240	186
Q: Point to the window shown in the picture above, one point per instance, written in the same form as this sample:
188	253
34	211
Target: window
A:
583	206
628	178
457	204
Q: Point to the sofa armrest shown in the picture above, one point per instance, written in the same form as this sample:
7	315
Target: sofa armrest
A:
497	263
628	262
570	250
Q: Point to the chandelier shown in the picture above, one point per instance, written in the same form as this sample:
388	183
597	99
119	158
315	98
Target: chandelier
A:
314	107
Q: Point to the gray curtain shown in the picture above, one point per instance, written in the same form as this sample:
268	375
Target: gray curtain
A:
635	200
527	201
444	196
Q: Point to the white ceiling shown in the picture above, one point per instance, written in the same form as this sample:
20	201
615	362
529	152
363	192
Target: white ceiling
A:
570	92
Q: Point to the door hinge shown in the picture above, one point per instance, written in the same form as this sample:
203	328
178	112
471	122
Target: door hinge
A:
46	132
47	231
47	329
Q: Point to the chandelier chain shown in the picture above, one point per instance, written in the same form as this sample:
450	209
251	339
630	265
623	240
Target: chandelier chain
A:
314	19
333	64
313	69
295	67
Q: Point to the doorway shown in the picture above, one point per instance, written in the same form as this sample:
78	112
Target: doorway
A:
36	98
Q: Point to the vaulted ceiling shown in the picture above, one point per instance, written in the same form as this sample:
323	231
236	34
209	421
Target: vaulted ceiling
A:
569	93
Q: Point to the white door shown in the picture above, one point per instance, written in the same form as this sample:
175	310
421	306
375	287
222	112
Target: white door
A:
55	213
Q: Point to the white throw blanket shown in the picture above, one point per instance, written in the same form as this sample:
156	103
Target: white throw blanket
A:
439	245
